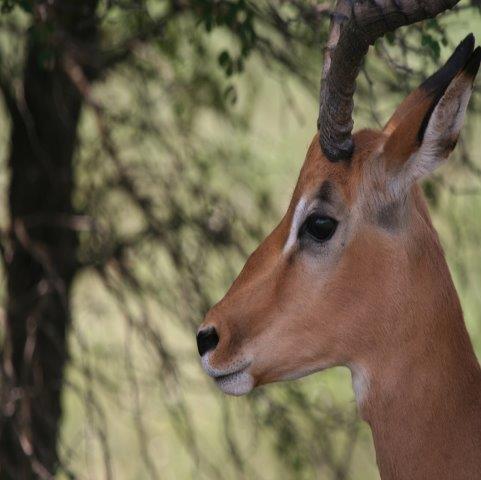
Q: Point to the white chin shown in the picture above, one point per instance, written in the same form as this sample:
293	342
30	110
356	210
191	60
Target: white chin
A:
239	383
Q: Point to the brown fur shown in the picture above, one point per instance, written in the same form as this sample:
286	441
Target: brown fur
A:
379	300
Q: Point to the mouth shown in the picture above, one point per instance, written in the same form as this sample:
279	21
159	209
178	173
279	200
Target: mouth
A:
237	383
235	380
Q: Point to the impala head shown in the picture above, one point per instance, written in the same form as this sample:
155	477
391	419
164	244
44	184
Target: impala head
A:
324	287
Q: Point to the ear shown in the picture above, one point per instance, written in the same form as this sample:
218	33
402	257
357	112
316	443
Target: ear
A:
425	127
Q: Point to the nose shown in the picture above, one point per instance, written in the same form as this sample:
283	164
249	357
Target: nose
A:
207	339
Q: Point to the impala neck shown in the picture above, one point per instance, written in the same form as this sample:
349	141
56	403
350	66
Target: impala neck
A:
421	394
425	417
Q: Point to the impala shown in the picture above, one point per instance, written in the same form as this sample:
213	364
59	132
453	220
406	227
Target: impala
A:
354	273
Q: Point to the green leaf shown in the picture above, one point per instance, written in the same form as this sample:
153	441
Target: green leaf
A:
428	41
224	58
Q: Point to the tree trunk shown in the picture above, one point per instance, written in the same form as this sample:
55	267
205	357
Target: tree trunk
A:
41	254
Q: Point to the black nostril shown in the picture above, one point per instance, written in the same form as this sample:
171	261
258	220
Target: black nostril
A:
207	340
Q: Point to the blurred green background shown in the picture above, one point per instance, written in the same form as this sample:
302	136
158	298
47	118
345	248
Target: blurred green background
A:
188	150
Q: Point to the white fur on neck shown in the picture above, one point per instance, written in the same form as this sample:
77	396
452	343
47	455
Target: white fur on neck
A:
360	382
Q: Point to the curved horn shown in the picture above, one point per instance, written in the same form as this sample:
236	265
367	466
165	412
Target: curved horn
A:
355	25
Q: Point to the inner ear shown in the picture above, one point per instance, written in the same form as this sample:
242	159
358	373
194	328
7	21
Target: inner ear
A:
423	100
426	131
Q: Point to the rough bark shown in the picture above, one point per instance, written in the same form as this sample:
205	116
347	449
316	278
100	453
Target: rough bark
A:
40	257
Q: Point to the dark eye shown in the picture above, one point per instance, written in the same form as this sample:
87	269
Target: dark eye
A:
319	228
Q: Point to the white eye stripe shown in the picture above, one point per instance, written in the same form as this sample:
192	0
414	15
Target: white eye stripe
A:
297	218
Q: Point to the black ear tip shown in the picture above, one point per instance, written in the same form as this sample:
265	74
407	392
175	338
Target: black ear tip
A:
472	67
467	44
465	47
438	82
469	40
